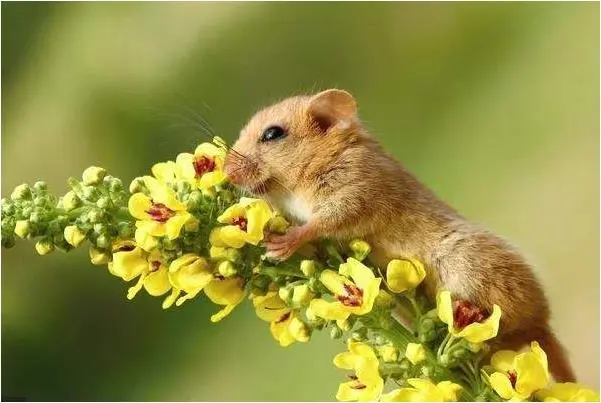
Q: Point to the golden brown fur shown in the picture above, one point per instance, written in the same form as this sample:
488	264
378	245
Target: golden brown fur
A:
338	182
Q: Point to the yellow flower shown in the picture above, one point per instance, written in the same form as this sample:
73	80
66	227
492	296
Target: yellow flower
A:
165	171
144	240
388	352
353	297
129	261
519	375
225	291
475	332
154	278
415	353
44	247
301	295
567	392
246	221
285	326
366	384
189	273
204	168
424	390
98	257
403	275
160	214
73	235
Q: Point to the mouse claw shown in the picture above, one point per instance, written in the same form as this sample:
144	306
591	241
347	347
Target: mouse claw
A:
281	247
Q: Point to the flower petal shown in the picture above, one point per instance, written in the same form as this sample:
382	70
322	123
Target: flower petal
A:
502	385
402	275
157	283
138	204
225	292
230	235
174	225
329	310
185	166
478	332
161	193
258	215
503	360
531	374
164	171
444	307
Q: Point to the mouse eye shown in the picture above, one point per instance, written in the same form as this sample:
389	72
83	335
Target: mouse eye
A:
272	133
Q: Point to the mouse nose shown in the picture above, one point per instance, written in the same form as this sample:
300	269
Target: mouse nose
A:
232	169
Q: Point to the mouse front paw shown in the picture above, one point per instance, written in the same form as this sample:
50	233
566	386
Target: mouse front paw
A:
281	247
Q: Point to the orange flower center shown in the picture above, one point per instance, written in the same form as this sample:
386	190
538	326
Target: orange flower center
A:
203	164
465	313
513	377
241	222
353	295
155	265
283	318
159	212
356	384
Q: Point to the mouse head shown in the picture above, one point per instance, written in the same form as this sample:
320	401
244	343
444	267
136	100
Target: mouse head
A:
283	144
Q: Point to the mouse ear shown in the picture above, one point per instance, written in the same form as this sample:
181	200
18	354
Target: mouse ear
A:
333	108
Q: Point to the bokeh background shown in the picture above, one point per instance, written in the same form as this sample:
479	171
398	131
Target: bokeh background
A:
493	105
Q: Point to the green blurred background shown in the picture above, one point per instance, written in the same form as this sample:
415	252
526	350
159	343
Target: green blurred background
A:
495	106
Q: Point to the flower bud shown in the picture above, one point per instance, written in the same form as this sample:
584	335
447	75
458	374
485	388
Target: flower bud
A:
388	352
35	217
195	200
183	186
125	229
445	360
22	228
415	353
93	175
71	201
426	337
137	186
21	192
278	225
104	202
8	208
95	215
39	201
103	241
285	294
360	249
261	282
406	274
308	267
384	299
359	334
336	332
90	193
40	187
99	256
301	295
226	269
8	242
115	185
44	247
74	236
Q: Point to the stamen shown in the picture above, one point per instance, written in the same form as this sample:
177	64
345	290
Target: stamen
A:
203	165
353	296
283	318
513	377
465	313
155	265
159	212
241	222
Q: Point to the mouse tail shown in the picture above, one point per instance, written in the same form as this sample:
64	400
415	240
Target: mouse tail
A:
559	365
